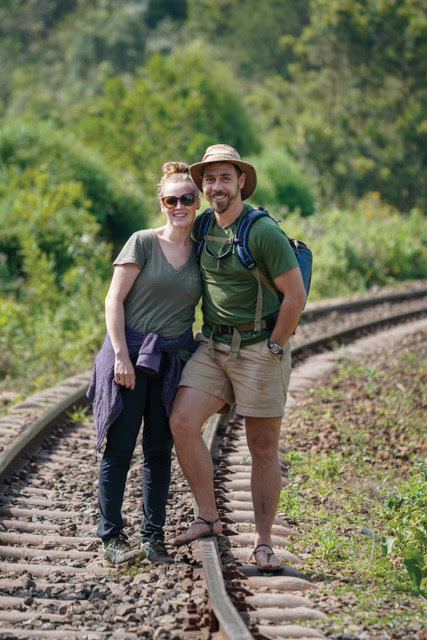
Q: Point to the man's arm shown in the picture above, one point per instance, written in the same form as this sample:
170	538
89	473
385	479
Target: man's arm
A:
291	285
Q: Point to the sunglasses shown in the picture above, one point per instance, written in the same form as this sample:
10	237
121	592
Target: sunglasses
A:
187	200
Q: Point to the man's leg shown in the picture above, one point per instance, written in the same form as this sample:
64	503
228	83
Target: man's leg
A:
191	408
263	440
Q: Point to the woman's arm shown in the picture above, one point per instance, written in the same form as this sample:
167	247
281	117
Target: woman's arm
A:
123	278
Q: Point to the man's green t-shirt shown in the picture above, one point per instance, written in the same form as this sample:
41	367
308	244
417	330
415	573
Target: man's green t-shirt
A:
230	289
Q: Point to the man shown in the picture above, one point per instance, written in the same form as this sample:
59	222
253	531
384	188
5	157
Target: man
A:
234	363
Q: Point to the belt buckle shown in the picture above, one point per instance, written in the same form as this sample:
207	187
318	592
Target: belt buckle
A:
225	329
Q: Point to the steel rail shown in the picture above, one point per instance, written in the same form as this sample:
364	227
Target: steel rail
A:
37	430
315	311
229	620
326	338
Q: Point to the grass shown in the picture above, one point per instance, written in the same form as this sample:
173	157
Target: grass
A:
358	493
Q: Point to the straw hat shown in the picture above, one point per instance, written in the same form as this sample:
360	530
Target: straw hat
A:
225	153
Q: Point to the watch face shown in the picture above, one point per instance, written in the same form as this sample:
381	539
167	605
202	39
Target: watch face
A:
274	348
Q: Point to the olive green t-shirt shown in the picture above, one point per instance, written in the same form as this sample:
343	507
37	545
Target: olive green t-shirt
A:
162	298
230	289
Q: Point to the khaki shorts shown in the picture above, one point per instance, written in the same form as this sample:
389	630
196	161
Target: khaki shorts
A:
256	382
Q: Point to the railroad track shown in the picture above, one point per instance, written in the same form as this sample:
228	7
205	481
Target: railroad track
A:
52	579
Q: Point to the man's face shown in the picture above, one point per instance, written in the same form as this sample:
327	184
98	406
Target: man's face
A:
221	185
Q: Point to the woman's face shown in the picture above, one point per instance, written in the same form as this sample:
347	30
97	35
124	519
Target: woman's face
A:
178	213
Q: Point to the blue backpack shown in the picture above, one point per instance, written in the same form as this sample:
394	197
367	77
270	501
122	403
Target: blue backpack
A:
239	244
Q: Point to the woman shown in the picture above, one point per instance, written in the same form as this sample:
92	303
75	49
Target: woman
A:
149	313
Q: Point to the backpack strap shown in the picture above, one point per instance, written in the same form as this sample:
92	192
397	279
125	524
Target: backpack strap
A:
242	234
248	261
202	230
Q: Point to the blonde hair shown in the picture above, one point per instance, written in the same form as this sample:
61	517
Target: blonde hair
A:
175	172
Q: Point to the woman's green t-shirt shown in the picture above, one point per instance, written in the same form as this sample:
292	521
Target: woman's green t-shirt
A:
162	298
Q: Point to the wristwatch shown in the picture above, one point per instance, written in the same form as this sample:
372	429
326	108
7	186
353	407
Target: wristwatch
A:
275	348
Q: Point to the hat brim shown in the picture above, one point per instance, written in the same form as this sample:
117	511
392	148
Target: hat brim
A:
197	169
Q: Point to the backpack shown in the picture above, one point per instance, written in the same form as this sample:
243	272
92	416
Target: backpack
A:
239	242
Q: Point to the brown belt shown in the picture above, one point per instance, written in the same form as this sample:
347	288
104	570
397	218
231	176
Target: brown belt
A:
266	323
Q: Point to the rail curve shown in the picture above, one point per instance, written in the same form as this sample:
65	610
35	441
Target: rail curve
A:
220	612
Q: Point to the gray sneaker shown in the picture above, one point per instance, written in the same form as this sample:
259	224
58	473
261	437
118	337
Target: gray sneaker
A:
117	550
155	551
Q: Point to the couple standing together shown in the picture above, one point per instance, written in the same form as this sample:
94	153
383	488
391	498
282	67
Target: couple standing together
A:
139	374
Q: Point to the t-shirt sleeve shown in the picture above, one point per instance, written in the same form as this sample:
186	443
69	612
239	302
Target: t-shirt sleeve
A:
135	250
271	248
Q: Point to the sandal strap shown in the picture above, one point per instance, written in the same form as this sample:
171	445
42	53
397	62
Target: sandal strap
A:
210	523
268	553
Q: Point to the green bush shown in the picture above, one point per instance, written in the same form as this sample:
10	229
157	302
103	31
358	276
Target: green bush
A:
51	314
115	201
170	110
281	184
371	245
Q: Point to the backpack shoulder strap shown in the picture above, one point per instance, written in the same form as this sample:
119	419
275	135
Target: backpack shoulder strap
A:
242	234
248	261
202	229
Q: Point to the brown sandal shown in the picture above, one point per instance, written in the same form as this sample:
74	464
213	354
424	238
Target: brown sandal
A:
269	553
209	523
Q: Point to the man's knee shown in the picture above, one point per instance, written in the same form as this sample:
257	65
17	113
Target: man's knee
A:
263	440
190	410
179	422
264	454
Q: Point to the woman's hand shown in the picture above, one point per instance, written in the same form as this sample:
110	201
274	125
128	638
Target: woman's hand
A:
124	373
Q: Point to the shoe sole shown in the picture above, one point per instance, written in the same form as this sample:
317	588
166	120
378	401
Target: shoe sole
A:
110	563
144	556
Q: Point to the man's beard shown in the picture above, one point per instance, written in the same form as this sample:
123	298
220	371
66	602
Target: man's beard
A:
224	205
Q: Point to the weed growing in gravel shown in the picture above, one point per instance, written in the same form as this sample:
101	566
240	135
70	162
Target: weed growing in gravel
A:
358	492
78	414
405	516
133	568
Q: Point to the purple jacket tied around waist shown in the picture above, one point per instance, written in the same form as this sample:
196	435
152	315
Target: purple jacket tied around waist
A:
147	350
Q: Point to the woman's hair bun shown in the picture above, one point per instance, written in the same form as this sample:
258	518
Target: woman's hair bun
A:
175	172
169	168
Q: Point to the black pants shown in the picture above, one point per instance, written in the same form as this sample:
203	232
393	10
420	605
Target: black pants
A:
144	401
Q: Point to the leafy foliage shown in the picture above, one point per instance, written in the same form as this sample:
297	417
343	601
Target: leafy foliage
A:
54	264
354	250
353	111
326	98
119	208
281	184
171	109
249	32
338	85
406	519
50	317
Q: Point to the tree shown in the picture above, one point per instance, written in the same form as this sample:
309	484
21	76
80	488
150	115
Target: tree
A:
354	108
246	33
172	109
116	203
